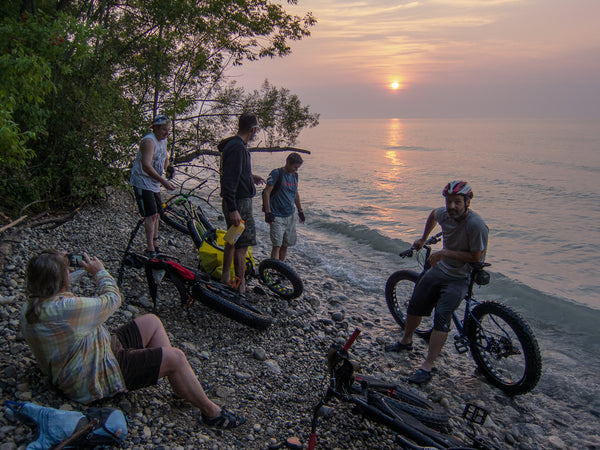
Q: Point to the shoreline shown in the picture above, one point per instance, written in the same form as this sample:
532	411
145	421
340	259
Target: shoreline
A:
274	377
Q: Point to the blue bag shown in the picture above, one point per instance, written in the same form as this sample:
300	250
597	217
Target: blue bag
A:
103	426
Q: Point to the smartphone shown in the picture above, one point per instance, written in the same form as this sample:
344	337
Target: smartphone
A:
75	259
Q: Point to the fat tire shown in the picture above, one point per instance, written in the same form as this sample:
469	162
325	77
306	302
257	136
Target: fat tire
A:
193	232
232	305
529	347
397	306
284	271
174	220
391	390
427	413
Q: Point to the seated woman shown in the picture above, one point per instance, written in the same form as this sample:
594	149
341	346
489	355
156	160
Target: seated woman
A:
73	347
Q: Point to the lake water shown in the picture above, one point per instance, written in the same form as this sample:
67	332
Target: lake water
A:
369	185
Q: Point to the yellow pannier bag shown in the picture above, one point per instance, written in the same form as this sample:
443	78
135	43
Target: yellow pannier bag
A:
211	258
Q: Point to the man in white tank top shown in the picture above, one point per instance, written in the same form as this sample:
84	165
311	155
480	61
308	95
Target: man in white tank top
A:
147	175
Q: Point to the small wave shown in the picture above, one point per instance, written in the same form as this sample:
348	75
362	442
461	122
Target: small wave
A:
363	235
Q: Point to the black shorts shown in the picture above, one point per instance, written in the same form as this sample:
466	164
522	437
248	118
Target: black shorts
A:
139	366
149	203
436	289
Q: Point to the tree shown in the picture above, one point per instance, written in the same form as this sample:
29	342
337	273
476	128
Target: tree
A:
85	77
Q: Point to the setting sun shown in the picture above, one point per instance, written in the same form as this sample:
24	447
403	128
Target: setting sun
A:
395	85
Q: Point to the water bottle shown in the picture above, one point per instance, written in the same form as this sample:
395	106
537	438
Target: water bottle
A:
234	233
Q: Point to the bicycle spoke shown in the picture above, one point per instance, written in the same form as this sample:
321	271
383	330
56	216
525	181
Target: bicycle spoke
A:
501	349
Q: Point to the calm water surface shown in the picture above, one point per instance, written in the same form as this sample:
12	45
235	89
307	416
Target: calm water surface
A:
369	185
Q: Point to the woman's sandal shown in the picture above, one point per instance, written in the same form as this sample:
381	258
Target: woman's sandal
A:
155	240
226	420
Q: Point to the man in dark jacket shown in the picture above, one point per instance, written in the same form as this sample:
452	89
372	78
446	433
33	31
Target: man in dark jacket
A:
237	190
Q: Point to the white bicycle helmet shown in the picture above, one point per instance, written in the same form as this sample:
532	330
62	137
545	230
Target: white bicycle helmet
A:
458	187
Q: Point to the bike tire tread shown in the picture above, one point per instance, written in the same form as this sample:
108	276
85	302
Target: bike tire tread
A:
284	270
234	308
533	358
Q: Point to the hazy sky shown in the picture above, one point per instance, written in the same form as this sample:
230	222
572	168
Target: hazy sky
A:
451	58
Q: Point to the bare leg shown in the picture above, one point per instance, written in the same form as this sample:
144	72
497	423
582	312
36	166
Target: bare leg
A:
227	260
275	252
282	253
436	343
175	365
151	229
239	263
152	331
412	322
184	382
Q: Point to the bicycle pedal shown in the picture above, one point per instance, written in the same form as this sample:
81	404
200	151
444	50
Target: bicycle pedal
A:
461	345
475	414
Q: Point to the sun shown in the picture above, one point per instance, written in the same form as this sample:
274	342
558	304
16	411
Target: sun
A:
395	85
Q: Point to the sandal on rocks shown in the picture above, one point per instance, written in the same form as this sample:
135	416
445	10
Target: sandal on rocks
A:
155	240
399	347
421	376
226	420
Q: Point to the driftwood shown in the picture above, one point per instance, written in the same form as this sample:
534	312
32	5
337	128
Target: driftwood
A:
13	223
57	221
193	155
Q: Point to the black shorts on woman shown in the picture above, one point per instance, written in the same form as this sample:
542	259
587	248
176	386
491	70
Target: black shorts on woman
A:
139	366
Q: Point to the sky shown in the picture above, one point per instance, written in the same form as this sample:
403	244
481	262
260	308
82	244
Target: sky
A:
449	58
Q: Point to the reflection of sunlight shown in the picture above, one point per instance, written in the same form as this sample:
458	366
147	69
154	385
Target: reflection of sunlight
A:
391	171
392	155
395	132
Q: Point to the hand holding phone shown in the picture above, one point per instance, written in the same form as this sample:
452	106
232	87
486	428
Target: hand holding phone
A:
75	259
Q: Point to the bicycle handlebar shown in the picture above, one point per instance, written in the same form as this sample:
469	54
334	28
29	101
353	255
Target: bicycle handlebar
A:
431	241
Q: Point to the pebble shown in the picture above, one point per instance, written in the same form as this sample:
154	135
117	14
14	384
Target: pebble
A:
277	382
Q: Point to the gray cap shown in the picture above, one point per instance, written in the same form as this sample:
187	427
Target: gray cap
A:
161	119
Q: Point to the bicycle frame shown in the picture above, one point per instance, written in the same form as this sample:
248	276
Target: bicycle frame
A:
341	379
461	341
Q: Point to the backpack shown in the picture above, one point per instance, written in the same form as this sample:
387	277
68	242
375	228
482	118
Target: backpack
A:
72	429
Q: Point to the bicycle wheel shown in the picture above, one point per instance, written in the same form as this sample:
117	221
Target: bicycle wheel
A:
398	291
381	409
426	412
230	304
280	278
504	348
175	217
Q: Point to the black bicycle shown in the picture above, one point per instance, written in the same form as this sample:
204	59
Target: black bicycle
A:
419	423
501	342
193	285
183	213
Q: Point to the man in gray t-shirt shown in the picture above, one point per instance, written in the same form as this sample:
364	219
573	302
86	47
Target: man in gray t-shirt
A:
444	286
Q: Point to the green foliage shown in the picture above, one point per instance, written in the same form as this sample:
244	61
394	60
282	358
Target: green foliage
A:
79	81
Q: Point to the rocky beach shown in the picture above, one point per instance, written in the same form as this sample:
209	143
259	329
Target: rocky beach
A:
272	377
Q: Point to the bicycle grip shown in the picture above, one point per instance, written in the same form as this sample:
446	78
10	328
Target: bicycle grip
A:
351	339
407	253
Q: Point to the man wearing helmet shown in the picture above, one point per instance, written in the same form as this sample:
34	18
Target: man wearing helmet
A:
465	236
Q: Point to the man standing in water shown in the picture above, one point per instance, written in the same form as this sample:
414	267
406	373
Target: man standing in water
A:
237	190
147	176
279	197
444	286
